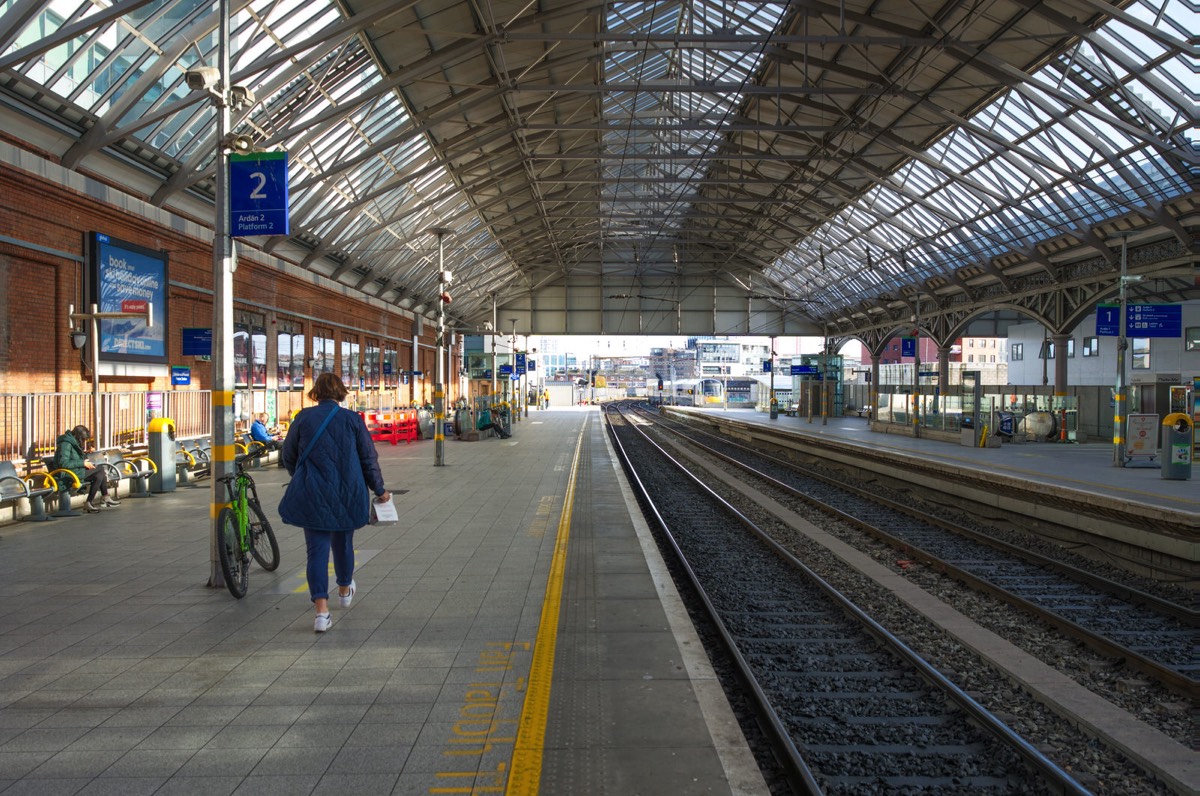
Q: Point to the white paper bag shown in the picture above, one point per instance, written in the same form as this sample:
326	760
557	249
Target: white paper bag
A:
384	513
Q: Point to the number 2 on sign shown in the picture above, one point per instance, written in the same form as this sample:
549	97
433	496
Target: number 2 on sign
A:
257	193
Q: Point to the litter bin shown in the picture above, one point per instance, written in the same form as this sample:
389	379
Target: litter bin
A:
774	409
1177	444
162	453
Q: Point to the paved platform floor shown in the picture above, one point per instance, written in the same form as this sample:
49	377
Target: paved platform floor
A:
1085	468
497	644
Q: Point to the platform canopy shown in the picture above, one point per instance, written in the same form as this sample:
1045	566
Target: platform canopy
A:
659	167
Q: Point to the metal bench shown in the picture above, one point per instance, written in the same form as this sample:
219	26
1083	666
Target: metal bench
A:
135	469
14	487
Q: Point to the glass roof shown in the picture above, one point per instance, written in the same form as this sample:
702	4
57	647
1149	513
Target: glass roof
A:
1105	125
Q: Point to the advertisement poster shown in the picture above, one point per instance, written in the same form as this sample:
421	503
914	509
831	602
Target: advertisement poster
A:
126	277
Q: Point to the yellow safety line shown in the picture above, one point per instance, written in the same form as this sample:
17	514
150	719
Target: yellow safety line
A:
525	773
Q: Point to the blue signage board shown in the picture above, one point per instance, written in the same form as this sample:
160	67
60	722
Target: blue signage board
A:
804	370
1108	320
908	346
1154	320
1141	320
181	375
506	370
197	342
532	365
515	377
766	366
258	194
520	364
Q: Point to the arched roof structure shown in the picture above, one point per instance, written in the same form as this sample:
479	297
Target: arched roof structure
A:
666	166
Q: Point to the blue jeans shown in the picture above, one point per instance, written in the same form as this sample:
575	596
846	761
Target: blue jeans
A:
319	545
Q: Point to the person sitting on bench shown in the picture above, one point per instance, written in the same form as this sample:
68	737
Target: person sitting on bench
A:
259	433
68	455
485	423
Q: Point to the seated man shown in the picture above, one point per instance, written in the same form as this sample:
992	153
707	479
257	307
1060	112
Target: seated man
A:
485	423
259	433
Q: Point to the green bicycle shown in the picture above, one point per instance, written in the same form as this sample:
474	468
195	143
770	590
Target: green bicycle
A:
243	530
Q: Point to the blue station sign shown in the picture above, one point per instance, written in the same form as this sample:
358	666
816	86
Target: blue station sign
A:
1154	320
805	370
1141	320
258	194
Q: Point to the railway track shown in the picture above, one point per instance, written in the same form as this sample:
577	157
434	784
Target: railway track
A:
1146	633
852	709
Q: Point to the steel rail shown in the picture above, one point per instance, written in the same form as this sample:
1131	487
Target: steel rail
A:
1055	775
1174	679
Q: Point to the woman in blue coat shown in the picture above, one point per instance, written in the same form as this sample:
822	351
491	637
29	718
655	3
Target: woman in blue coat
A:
333	464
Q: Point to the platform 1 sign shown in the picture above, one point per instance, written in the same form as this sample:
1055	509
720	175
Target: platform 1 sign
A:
258	194
1141	320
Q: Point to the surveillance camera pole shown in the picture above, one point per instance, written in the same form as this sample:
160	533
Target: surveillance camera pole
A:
224	263
439	386
1120	392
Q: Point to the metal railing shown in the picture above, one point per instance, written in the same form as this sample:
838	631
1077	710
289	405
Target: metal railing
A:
32	423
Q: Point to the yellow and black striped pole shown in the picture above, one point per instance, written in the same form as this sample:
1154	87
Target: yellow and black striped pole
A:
439	386
1119	391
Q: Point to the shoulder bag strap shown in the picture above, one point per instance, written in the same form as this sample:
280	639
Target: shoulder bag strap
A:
316	436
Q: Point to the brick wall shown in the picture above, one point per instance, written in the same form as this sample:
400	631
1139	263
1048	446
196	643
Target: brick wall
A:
36	288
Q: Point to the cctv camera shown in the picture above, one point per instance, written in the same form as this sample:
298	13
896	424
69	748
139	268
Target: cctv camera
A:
240	97
487	326
202	78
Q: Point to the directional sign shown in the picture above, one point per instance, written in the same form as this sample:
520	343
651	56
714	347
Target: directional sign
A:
258	194
1141	320
506	370
805	370
181	375
1154	320
908	346
766	366
520	363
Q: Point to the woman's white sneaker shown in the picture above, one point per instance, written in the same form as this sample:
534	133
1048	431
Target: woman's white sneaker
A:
322	623
348	597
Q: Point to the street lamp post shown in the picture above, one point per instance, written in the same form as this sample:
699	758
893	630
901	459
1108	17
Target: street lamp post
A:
439	386
93	318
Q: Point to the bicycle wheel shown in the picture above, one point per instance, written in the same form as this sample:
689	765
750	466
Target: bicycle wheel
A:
235	564
263	544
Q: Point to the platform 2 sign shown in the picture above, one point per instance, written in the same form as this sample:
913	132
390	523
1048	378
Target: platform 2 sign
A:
258	194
